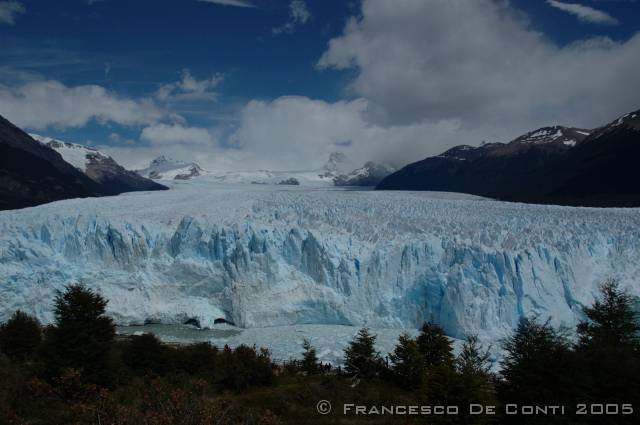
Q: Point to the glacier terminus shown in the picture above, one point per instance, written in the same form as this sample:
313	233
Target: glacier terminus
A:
269	255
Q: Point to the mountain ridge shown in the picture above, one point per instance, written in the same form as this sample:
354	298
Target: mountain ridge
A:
99	167
551	165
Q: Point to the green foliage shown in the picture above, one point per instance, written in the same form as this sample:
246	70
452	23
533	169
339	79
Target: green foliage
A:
434	346
609	348
612	320
20	337
474	379
155	383
309	358
146	355
196	359
539	368
82	335
473	361
361	357
407	363
245	367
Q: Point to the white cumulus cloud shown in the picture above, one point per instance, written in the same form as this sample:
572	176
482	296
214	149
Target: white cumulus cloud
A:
172	134
39	104
480	63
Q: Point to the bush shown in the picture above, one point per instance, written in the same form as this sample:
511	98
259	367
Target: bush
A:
82	336
245	367
196	359
360	357
146	354
20	337
407	363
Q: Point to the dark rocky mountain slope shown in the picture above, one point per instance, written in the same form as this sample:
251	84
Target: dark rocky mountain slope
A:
32	173
103	169
553	165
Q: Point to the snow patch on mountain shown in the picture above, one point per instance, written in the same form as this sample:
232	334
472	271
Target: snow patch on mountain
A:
163	168
77	155
556	134
370	174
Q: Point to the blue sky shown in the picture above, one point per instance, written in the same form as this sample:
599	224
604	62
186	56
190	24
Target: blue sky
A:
226	84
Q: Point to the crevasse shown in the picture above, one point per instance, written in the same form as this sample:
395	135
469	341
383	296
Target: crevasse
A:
269	256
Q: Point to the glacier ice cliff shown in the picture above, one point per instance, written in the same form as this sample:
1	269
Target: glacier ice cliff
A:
271	255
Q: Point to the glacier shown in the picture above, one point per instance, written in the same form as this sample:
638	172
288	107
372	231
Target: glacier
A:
267	255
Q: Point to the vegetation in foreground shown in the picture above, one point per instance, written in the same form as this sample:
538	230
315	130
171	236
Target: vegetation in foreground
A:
77	371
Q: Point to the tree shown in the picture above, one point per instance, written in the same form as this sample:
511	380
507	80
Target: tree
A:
474	378
438	363
538	368
434	346
407	364
146	354
609	347
244	367
361	358
20	337
611	321
82	335
309	358
473	360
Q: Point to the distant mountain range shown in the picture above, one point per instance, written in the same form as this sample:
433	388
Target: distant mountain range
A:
338	170
36	172
371	174
551	165
163	168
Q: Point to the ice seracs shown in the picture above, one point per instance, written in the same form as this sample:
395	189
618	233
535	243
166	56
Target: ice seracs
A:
269	255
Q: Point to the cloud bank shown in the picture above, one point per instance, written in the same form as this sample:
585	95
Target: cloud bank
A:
40	104
428	75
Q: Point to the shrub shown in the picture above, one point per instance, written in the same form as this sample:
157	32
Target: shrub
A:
82	336
20	337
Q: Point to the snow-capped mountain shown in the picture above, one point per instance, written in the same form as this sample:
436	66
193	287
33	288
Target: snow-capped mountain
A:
567	166
337	164
100	167
33	174
163	168
370	174
558	135
269	255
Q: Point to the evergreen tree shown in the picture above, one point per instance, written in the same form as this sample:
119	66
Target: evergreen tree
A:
611	321
438	362
434	346
473	360
609	348
309	358
538	368
407	364
361	358
20	337
82	335
474	379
